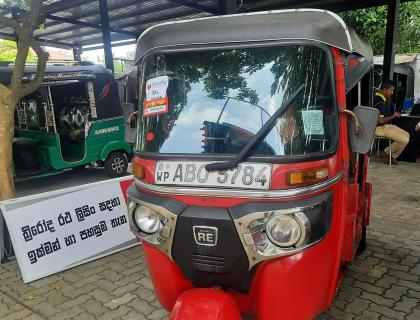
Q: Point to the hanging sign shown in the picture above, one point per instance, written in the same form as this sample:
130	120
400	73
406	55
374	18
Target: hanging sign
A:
313	122
156	98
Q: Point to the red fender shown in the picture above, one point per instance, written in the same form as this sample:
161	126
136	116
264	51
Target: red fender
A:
205	304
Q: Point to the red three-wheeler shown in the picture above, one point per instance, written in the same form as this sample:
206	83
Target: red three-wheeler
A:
250	193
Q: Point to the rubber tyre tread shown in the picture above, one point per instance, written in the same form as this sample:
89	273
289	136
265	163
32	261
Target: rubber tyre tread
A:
108	164
363	243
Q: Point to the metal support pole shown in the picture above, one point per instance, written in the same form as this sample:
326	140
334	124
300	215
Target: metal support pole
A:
106	35
77	54
391	30
227	7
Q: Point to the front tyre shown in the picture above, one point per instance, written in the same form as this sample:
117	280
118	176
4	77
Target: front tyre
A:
116	164
363	242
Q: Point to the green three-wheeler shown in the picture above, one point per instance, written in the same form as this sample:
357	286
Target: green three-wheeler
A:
74	119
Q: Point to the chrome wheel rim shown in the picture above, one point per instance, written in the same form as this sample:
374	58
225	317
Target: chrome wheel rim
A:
117	165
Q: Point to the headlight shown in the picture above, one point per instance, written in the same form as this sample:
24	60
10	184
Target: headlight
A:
147	219
283	230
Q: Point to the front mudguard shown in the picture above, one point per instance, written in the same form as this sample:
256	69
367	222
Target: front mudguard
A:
205	304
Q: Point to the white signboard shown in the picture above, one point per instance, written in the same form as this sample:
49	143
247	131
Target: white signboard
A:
55	234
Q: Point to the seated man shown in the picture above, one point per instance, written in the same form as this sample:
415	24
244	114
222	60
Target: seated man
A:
385	127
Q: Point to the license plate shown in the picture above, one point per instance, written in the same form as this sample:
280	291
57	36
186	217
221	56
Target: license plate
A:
191	173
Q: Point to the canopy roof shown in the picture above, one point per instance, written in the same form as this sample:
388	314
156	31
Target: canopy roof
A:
77	23
399	58
291	25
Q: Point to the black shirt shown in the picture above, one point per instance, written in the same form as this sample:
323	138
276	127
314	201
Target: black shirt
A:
381	103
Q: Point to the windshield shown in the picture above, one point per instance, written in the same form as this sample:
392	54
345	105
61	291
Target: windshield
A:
214	102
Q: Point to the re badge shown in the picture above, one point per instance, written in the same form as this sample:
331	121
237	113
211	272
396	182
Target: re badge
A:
205	236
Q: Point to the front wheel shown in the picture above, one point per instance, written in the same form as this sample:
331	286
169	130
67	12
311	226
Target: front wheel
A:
116	164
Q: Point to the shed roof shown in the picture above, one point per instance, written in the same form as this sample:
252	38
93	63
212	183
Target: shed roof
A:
300	24
399	58
76	23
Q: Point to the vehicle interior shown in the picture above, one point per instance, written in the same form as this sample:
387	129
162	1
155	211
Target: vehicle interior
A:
71	111
61	108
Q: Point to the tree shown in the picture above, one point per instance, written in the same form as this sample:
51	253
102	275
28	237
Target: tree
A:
371	24
11	94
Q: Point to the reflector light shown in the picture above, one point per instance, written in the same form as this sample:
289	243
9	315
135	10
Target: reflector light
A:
353	63
138	170
307	176
150	136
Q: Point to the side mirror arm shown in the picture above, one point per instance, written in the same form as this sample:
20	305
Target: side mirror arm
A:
357	126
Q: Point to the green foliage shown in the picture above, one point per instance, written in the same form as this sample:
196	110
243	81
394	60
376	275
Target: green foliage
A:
371	24
8	52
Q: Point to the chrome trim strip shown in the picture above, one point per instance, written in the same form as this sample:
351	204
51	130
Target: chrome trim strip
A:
239	193
265	249
156	239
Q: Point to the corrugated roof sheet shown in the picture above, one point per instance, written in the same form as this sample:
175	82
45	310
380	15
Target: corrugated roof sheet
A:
127	19
76	23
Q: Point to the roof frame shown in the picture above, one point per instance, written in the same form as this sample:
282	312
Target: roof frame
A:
163	18
127	15
92	33
90	25
88	13
81	23
114	44
83	17
62	6
60	36
195	5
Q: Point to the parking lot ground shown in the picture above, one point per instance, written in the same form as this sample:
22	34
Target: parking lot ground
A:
66	179
383	282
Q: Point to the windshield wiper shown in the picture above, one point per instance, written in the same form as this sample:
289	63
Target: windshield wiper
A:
265	129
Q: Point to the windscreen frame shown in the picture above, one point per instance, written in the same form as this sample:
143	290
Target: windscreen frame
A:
243	45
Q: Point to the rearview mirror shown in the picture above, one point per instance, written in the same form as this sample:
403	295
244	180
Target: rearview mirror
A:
361	140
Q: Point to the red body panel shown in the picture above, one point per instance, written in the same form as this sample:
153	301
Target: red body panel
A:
205	304
297	287
351	218
167	279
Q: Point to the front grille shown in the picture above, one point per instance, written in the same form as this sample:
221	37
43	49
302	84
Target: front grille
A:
207	263
224	263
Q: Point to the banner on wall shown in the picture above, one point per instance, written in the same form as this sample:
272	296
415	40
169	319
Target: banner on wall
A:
54	231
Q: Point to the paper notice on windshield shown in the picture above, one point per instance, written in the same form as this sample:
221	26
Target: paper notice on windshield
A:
313	122
156	97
